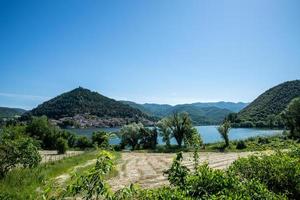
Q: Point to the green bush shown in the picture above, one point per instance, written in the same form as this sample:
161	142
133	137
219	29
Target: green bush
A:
241	145
17	150
263	140
177	173
280	172
61	145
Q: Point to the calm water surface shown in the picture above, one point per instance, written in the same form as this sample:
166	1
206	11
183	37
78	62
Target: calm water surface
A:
209	134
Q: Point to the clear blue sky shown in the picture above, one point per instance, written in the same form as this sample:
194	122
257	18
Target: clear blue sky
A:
162	51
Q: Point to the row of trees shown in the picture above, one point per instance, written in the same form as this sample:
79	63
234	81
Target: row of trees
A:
178	126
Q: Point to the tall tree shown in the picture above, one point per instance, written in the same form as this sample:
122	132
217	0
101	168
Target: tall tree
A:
291	116
131	134
179	126
224	131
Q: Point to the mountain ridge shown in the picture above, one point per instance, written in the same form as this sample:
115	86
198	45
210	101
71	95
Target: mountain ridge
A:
6	112
201	113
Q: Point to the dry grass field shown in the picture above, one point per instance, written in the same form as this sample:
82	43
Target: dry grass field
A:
146	169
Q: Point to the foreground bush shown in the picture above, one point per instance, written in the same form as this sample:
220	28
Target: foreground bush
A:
280	172
17	150
204	183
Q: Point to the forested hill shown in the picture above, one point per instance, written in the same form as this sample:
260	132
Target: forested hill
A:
10	112
271	103
83	101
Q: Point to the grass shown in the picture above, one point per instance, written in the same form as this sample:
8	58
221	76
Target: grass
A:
258	143
25	183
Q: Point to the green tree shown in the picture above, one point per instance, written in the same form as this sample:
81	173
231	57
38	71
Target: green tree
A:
40	129
224	131
148	138
131	135
179	126
61	145
101	138
165	131
291	117
83	142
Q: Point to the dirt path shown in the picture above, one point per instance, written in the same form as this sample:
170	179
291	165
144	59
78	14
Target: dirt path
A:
146	169
61	179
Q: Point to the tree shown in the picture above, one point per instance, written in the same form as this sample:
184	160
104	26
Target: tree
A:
148	138
178	126
101	138
131	134
40	129
17	149
61	145
291	117
224	131
165	131
83	142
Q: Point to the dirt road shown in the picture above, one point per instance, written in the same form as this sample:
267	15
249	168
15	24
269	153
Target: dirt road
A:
146	169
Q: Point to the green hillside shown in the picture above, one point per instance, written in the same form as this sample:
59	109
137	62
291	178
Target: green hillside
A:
84	101
270	104
200	113
10	112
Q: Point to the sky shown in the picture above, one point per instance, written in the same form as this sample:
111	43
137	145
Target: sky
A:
158	51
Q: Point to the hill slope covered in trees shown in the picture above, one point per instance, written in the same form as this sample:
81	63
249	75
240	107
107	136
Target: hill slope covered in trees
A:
10	112
265	109
83	105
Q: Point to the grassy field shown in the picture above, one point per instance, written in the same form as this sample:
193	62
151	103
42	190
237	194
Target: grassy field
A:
259	143
27	183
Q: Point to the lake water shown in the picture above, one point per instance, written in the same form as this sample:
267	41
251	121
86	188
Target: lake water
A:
209	134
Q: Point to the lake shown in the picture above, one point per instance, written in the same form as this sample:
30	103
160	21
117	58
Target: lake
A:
209	134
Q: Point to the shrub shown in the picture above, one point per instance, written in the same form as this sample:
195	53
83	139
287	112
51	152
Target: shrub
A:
61	145
177	173
91	183
263	140
280	172
241	145
19	151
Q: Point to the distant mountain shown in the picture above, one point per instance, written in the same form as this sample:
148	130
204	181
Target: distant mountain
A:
82	104
271	103
234	107
10	112
201	113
